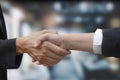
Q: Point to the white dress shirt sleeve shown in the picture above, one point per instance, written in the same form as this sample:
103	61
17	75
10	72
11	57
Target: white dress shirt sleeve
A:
97	41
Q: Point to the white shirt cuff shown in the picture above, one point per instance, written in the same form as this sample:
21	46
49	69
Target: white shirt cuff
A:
97	41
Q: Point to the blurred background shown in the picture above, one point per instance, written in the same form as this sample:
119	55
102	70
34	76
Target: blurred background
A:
66	17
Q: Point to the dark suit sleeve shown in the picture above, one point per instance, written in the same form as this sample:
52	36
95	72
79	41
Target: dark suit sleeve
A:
8	57
111	42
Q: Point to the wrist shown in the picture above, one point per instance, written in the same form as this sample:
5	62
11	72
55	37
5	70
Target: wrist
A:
19	46
65	41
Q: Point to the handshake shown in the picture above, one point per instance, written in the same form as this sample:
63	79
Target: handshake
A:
48	47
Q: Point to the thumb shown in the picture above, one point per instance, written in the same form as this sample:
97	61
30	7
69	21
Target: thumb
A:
41	39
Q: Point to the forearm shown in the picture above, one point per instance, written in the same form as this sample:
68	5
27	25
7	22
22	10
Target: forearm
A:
83	42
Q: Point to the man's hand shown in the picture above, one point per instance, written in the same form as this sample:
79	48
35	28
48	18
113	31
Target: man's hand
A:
24	44
51	54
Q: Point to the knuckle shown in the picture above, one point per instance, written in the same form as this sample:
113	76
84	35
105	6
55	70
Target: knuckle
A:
49	31
44	51
47	34
45	44
35	45
45	31
41	55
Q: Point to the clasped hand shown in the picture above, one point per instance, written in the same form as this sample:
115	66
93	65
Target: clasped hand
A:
46	47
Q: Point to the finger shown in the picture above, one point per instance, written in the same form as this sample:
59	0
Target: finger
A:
35	55
56	49
47	52
43	37
48	61
47	57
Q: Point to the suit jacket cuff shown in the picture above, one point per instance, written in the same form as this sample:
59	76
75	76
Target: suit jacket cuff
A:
8	56
111	43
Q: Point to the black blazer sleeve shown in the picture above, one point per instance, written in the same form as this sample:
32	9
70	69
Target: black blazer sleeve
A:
111	42
8	57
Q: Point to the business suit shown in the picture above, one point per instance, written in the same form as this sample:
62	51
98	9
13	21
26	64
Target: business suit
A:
8	57
111	42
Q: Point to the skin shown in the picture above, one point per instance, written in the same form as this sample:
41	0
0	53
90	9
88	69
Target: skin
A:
82	42
52	54
44	52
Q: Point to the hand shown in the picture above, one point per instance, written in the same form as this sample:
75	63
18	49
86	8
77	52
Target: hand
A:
28	44
47	54
82	42
56	39
51	54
